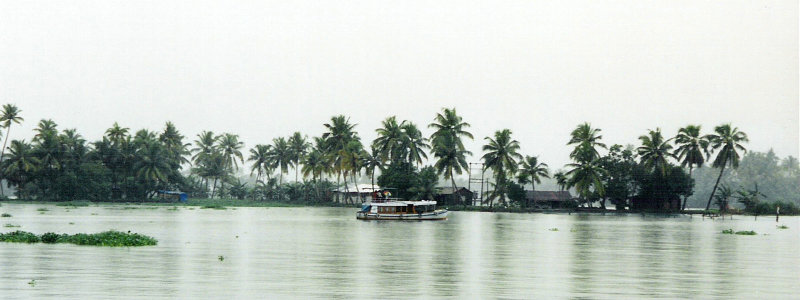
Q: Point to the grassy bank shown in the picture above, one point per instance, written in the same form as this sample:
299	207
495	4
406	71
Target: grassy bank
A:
201	202
107	238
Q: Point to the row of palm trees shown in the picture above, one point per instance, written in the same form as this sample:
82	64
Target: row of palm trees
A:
655	152
147	157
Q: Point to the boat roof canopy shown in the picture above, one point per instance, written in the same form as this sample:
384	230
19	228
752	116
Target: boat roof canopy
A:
404	203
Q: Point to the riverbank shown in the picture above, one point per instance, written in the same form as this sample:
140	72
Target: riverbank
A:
223	203
200	202
598	210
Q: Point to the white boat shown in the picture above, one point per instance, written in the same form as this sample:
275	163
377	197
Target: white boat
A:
396	209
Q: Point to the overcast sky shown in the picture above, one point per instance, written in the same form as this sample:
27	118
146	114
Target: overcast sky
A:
263	69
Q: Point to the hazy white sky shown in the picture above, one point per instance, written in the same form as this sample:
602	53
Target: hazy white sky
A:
264	69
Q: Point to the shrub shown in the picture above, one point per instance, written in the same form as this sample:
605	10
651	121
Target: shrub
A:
5	215
746	232
727	231
50	238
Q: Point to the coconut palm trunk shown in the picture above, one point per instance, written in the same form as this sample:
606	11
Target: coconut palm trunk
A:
4	152
686	198
453	183
721	170
346	189
214	188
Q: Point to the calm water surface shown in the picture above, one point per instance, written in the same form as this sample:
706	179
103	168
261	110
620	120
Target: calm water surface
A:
327	253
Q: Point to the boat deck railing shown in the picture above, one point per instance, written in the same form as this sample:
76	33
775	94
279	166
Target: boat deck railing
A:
384	200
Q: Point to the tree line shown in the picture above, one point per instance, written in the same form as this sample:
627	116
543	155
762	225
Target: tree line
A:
62	165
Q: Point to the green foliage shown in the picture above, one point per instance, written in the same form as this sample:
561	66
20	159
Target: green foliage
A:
776	179
657	192
424	187
19	237
783	226
553	229
730	231
619	181
50	238
11	225
5	215
107	238
402	177
746	232
516	193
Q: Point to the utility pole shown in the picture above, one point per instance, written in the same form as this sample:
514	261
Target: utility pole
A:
479	198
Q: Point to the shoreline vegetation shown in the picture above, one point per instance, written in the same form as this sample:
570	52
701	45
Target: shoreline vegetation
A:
659	175
224	203
105	239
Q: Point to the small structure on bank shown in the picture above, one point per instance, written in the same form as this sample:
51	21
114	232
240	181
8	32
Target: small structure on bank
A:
551	199
173	196
448	196
354	193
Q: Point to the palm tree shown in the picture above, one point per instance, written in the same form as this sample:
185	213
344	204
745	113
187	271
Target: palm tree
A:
230	146
501	156
692	149
750	198
281	155
390	139
116	133
725	193
586	139
533	171
586	177
151	165
727	140
561	180
43	127
20	165
10	115
214	166
205	145
451	159
655	151
352	161
449	126
259	156
414	143
299	147
372	161
172	140
340	133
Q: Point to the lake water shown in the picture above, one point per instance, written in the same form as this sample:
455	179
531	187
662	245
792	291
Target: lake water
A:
326	253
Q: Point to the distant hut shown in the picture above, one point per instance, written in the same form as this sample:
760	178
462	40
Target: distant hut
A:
355	193
173	196
551	199
446	196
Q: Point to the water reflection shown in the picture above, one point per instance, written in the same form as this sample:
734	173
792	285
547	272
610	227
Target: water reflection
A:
326	253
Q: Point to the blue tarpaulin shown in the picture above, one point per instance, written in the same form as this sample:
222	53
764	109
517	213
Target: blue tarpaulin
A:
181	196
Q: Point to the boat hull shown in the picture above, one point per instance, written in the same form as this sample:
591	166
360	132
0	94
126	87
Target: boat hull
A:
434	215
